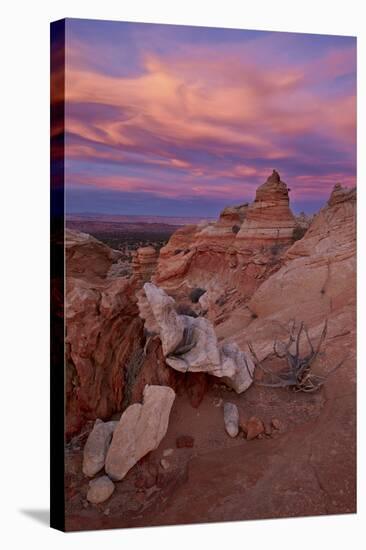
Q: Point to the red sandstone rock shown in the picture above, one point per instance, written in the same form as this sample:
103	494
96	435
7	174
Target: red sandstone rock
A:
341	194
268	220
144	262
316	281
276	423
86	256
241	250
102	333
254	427
318	278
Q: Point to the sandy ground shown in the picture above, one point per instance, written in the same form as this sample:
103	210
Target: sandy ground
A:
307	467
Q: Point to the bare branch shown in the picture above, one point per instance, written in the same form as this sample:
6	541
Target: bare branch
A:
298	339
298	375
258	363
321	340
308	339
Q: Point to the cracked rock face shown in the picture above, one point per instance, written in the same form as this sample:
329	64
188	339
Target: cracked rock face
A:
190	344
139	431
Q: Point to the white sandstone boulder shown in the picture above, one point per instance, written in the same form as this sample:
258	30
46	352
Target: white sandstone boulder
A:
231	419
100	489
96	446
139	431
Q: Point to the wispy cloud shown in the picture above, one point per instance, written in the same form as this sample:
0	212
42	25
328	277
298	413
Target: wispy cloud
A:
212	119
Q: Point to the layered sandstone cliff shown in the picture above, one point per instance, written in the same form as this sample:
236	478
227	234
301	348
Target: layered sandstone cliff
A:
248	291
108	358
214	300
268	220
86	256
144	262
316	282
102	331
235	254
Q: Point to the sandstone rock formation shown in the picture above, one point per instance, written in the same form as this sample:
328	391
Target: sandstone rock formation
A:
316	282
238	252
190	344
108	358
320	268
304	220
144	262
139	431
86	256
254	427
102	333
100	489
96	447
268	219
176	256
251	295
223	232
233	215
231	419
341	194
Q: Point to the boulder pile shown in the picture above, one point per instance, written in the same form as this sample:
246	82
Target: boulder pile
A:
118	445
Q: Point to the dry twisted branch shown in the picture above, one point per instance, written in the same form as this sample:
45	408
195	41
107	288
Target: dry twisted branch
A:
298	375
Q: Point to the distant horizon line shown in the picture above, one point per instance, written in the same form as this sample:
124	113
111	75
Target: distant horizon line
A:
203	217
133	215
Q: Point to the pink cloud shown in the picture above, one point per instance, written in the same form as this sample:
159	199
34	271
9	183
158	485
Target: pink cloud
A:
219	103
181	188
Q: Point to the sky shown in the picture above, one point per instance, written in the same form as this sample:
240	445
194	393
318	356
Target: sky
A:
183	121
